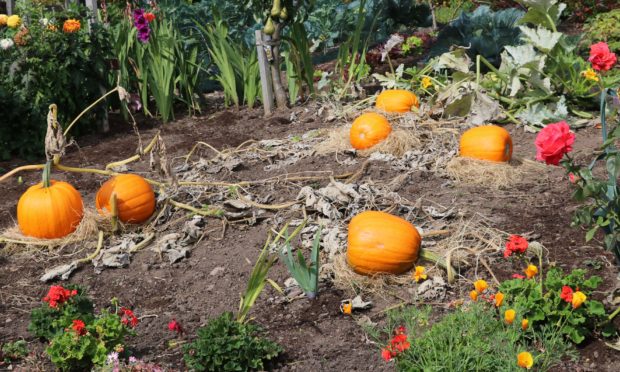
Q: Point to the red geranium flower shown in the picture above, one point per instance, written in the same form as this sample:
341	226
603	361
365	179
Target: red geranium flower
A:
79	327
601	57
515	244
386	355
58	295
128	317
175	326
553	141
567	294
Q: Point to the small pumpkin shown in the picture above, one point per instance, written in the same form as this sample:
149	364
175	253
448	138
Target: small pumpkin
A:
368	130
379	242
397	101
50	209
487	142
134	197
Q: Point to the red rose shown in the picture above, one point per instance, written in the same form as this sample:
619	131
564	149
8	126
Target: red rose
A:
567	294
601	57
553	141
150	17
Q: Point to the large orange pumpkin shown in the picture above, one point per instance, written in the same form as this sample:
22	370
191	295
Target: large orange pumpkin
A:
487	142
397	101
50	209
379	242
134	197
368	130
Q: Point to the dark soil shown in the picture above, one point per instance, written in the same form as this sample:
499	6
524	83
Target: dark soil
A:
316	336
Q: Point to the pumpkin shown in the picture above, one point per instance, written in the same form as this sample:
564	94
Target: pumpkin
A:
487	142
368	130
50	209
134	197
379	242
397	101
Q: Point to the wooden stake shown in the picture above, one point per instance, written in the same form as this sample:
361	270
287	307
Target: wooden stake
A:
10	7
265	74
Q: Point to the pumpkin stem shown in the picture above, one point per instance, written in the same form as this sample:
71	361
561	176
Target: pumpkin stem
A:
47	170
114	211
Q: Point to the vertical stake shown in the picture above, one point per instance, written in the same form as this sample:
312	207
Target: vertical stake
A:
265	74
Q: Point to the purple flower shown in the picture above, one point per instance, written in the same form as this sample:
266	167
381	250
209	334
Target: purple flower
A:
138	13
144	34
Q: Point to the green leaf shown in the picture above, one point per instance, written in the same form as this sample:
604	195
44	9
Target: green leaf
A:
591	232
542	38
595	308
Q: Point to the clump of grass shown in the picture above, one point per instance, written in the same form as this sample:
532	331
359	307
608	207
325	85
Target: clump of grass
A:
470	339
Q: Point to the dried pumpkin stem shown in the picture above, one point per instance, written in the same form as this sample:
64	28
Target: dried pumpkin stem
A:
96	253
88	109
202	212
114	212
148	149
22	168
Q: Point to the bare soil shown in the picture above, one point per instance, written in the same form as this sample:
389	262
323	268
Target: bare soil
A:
316	336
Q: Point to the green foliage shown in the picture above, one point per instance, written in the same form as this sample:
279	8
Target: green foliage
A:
47	322
227	345
484	32
412	46
549	309
448	11
237	66
258	277
13	351
601	196
470	339
306	275
604	27
45	67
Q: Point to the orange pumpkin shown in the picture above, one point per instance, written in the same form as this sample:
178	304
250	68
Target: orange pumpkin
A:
368	130
397	101
379	242
487	142
50	209
134	197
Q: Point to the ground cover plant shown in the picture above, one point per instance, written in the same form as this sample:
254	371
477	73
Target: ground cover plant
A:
436	189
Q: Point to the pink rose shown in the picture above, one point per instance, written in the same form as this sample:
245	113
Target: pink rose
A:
553	141
601	57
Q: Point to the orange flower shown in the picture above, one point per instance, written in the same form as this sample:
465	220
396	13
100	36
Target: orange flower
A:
419	274
71	25
499	298
480	285
509	316
346	308
524	324
578	299
525	360
473	295
531	271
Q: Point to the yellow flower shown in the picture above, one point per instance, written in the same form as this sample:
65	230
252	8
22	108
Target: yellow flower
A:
52	27
13	21
473	295
524	324
419	273
509	316
3	19
590	74
346	308
525	360
499	298
531	271
426	82
578	299
71	26
480	285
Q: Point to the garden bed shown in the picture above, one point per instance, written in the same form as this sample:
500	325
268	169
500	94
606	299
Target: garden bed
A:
209	281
